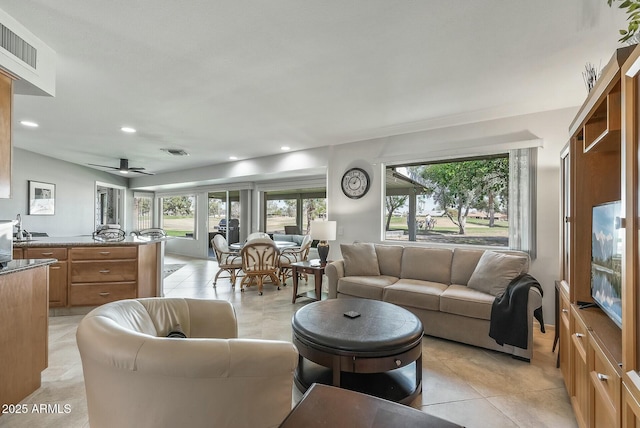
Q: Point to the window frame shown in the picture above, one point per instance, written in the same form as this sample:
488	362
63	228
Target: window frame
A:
195	214
522	231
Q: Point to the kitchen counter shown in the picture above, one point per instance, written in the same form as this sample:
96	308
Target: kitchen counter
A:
18	265
86	240
89	272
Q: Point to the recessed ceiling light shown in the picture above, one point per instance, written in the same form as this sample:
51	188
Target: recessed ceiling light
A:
29	123
128	129
233	157
285	148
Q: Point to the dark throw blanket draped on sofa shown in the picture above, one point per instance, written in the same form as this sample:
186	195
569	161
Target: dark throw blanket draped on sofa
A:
509	323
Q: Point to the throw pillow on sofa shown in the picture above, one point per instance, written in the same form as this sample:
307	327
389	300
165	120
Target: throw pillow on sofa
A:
360	259
495	271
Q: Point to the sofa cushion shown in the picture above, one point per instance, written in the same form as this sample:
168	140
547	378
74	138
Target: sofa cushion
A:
368	287
465	301
494	272
360	259
389	259
415	293
463	264
427	264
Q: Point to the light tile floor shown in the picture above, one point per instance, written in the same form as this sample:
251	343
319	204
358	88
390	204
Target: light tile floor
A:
467	385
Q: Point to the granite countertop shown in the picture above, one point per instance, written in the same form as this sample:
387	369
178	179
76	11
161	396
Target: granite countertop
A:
86	240
23	264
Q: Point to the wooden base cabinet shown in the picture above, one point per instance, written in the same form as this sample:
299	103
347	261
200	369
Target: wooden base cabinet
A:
604	389
92	275
580	373
565	335
631	400
58	273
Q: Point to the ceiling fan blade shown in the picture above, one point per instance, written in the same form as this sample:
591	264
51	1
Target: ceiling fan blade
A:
103	166
136	168
141	172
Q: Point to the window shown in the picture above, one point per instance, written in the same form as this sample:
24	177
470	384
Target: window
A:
294	208
281	213
142	211
179	215
219	215
485	201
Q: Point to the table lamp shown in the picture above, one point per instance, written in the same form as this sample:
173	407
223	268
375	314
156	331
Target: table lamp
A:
323	231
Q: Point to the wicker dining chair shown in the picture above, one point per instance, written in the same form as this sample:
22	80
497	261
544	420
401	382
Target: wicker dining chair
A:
292	255
259	262
228	260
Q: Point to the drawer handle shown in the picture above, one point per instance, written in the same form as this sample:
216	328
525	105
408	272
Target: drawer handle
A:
579	335
398	363
104	293
105	253
47	254
104	271
565	311
602	377
54	267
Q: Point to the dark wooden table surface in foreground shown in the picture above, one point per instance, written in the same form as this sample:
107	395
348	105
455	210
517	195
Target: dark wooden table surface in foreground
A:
328	406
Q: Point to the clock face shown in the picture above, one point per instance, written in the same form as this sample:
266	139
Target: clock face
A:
355	183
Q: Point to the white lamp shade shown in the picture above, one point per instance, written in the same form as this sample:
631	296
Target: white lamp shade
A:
323	230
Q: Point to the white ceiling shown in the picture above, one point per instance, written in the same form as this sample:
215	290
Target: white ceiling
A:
221	78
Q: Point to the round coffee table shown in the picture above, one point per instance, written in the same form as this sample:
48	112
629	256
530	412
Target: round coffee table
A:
378	352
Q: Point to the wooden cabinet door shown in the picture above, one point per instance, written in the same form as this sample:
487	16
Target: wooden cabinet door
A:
58	284
565	340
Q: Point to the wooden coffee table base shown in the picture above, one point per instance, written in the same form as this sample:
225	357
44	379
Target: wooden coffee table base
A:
380	377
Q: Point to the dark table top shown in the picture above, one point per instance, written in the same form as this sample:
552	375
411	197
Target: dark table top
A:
328	406
381	327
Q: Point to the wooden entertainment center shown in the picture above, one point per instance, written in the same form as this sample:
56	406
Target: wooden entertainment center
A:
600	360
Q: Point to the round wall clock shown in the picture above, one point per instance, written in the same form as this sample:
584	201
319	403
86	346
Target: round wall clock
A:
355	183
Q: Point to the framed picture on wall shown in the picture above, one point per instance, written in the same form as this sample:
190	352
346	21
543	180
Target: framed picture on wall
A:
42	198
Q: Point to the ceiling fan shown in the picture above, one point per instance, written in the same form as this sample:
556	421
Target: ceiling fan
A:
124	167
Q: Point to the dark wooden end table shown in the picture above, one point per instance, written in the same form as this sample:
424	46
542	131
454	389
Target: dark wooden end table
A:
378	352
317	270
327	406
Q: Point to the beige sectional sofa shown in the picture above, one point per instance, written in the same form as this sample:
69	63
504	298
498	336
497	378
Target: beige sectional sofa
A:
436	285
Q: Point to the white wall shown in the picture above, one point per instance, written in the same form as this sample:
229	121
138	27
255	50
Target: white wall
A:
361	219
75	194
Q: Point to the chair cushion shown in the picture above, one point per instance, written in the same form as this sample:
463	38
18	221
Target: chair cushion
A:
462	300
427	264
368	287
360	259
494	272
415	293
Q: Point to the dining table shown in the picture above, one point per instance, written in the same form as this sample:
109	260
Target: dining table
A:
280	244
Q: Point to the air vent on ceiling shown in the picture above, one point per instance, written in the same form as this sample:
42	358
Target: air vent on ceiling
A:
16	45
176	152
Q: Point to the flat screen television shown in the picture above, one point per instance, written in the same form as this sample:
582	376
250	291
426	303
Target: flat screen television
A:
606	258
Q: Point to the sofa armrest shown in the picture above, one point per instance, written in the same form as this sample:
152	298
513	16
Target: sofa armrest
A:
334	271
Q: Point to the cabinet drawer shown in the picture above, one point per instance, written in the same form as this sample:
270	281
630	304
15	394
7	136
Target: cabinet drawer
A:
45	253
103	271
565	308
579	335
104	253
98	294
605	380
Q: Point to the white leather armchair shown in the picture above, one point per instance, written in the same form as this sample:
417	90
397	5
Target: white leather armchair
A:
137	377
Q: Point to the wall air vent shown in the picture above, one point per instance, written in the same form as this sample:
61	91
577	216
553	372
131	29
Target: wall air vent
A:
16	45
